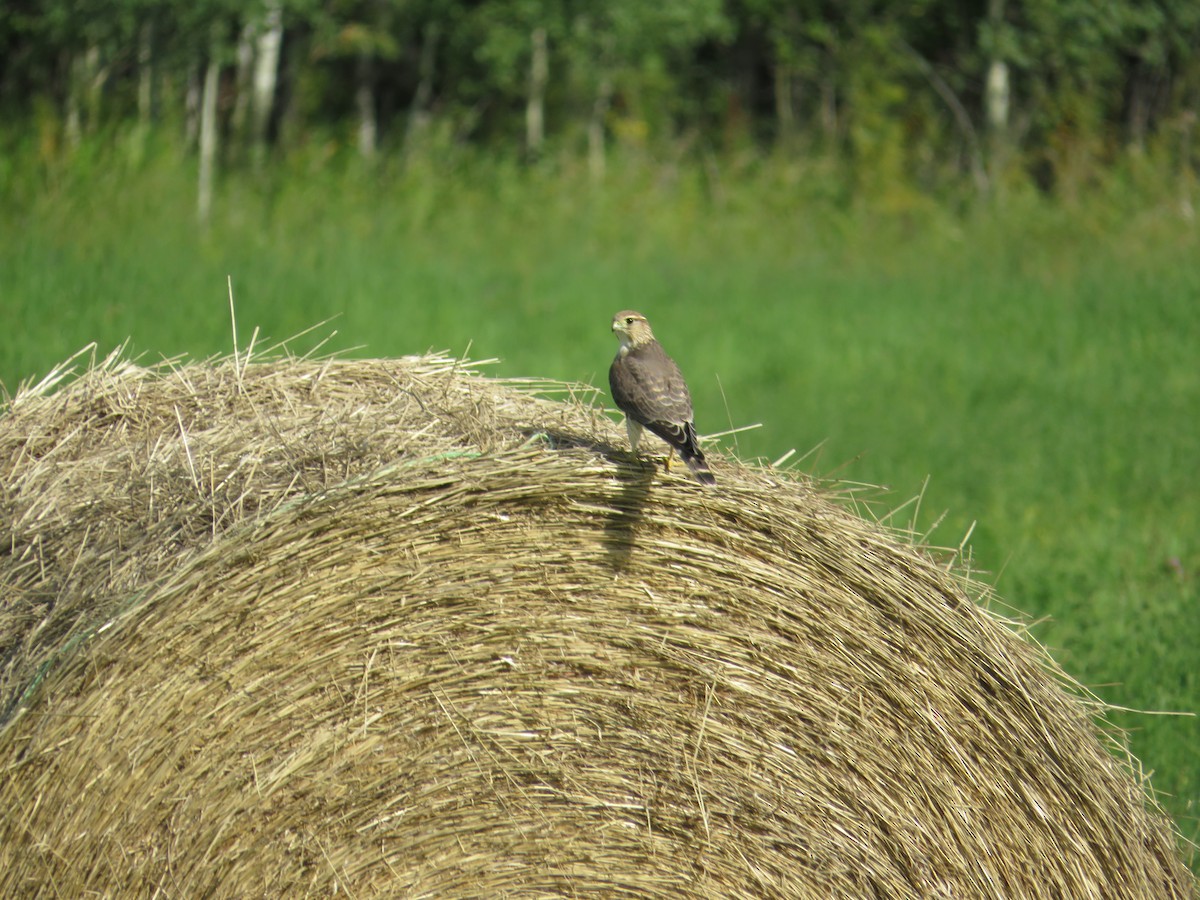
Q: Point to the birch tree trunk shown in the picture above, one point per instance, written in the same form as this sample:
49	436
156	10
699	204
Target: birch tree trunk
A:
364	101
208	132
535	109
1140	92
73	124
997	95
83	94
240	130
785	113
95	75
192	97
597	164
996	99
266	76
418	118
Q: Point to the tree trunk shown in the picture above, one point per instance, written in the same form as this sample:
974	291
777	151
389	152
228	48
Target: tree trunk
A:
95	76
240	131
364	100
997	96
595	131
83	94
785	113
266	76
997	101
191	105
208	132
535	109
785	45
74	116
418	118
1141	99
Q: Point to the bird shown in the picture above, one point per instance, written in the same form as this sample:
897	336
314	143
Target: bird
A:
648	387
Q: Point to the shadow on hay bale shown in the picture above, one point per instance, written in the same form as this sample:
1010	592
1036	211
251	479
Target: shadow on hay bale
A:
393	628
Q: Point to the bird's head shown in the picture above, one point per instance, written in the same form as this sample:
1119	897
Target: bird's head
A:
631	329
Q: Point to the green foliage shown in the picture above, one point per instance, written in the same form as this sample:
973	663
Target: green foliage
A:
898	88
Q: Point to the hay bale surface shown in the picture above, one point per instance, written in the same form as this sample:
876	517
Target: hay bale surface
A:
391	628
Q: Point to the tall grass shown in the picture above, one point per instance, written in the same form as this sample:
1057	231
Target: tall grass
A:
1026	367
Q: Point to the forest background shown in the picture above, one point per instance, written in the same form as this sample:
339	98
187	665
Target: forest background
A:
947	247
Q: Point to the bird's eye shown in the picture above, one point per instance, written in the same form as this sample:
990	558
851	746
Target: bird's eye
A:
629	320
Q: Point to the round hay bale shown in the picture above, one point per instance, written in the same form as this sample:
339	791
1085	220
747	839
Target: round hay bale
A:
393	628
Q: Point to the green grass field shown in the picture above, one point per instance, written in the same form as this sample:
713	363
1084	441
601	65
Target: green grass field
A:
1038	364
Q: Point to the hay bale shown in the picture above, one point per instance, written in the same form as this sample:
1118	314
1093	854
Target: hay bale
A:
393	628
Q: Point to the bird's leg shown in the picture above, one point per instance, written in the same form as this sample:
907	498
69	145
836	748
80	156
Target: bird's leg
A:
670	456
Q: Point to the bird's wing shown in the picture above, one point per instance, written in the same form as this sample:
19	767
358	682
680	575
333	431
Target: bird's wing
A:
648	387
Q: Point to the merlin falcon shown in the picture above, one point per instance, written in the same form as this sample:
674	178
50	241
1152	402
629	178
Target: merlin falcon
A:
648	387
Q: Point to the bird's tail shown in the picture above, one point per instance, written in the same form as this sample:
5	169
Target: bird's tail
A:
699	467
689	449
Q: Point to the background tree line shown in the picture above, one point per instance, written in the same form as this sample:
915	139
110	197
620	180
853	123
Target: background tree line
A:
929	91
